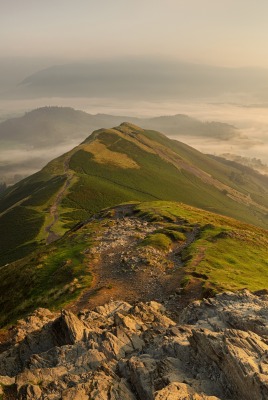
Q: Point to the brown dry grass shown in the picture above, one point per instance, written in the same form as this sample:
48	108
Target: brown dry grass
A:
103	155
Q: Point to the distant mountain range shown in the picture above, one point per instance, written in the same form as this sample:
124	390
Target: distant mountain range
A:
116	165
28	139
144	79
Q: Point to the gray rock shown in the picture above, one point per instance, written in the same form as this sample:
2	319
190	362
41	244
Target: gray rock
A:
68	329
119	352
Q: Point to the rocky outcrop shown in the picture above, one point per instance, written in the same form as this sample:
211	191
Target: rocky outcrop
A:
219	350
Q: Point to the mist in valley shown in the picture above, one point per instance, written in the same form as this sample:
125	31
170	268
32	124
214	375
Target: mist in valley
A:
204	60
19	158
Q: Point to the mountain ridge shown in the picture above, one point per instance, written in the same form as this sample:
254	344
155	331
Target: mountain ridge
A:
125	163
52	128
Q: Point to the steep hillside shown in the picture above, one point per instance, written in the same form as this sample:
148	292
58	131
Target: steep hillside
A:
126	163
161	251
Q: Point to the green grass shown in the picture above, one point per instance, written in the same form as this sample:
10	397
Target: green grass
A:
96	186
239	177
232	262
156	179
51	277
44	192
157	240
162	239
93	193
174	233
20	226
18	230
226	255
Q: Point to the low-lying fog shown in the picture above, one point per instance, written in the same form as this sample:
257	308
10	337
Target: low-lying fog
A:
251	120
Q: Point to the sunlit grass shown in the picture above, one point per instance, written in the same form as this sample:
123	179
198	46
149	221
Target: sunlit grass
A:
157	240
231	255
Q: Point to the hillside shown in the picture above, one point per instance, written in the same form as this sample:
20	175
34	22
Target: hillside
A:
161	251
117	165
32	140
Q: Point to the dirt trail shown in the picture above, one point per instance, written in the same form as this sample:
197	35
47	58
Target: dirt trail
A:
123	270
54	213
110	277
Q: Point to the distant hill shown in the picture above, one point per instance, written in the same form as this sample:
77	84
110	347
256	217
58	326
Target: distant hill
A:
47	126
143	79
116	165
254	163
32	140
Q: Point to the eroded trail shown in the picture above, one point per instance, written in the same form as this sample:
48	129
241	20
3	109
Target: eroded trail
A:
123	269
111	276
54	212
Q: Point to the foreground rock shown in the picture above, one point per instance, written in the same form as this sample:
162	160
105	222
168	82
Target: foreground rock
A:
124	352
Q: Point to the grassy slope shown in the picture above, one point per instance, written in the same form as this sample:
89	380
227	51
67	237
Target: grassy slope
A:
49	277
156	179
97	185
243	179
23	211
226	254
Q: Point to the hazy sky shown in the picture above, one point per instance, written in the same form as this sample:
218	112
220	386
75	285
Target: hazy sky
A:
229	32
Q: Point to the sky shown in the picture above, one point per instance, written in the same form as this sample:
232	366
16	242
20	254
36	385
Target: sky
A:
214	32
38	34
